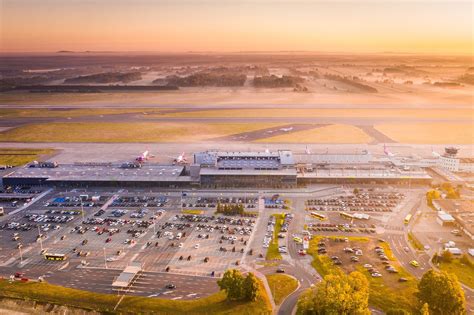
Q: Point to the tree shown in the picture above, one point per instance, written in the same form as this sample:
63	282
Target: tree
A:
397	311
431	195
250	287
442	292
425	309
232	282
338	293
447	256
356	191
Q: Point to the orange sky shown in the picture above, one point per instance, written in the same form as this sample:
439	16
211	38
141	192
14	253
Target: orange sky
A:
228	25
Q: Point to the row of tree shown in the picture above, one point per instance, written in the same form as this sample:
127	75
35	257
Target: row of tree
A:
238	287
339	293
230	209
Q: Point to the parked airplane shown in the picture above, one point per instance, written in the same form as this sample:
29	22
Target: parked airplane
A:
286	129
144	156
387	152
435	154
180	159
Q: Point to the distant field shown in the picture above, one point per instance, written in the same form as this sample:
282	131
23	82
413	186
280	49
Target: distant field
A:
326	112
75	112
125	132
430	133
17	157
327	134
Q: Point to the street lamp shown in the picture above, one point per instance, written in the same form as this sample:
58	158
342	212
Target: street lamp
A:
40	238
21	254
82	210
105	259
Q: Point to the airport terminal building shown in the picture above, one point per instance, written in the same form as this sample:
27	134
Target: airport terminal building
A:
222	169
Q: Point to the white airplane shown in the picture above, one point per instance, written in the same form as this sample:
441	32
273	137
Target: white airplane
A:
286	129
143	157
387	152
307	150
180	159
435	154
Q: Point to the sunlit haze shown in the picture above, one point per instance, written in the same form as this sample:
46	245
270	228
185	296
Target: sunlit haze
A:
177	26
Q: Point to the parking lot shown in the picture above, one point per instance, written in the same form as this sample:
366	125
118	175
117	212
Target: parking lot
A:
109	229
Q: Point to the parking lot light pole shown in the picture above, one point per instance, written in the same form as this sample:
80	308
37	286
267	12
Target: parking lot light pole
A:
40	238
82	211
105	259
154	223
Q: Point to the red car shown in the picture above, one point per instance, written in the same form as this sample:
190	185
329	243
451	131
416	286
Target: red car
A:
108	240
19	274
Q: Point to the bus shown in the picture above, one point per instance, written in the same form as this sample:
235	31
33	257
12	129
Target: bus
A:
346	215
407	219
318	216
55	256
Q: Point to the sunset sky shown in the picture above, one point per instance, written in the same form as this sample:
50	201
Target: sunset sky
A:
227	25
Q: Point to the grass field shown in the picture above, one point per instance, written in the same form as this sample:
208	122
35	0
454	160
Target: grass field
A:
464	272
386	292
414	241
326	112
430	133
125	132
281	286
192	211
17	157
327	134
214	304
272	250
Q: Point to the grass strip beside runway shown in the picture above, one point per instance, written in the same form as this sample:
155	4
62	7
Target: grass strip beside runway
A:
16	157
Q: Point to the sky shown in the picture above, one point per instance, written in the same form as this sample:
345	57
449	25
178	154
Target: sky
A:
423	26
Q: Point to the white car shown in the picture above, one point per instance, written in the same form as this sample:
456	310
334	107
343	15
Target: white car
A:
196	246
180	245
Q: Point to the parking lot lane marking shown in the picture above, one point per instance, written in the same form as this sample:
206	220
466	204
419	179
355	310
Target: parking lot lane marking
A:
177	298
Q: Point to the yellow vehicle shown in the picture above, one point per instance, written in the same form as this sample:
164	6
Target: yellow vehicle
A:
319	216
346	215
414	263
297	240
55	256
407	219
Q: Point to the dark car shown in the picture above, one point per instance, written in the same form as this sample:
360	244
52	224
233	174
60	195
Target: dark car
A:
402	280
280	270
170	286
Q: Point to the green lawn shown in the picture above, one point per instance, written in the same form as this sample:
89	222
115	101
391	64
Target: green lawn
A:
465	273
414	241
214	304
126	132
385	293
272	250
281	286
192	211
16	157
